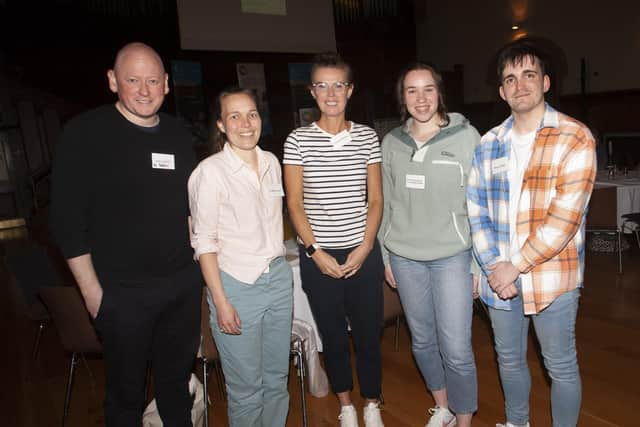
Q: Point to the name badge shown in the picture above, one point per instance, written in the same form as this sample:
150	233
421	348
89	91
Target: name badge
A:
163	161
340	139
415	181
275	190
499	165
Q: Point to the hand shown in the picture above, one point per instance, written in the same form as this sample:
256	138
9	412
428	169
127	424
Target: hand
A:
502	274
502	279
354	261
476	281
508	292
93	300
228	319
327	264
388	276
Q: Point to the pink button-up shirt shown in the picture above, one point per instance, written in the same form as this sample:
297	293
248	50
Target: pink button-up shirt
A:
237	213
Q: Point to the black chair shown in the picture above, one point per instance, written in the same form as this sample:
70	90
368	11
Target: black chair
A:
208	354
75	329
602	216
297	352
32	269
631	223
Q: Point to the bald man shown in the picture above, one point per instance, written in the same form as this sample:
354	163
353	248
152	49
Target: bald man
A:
119	214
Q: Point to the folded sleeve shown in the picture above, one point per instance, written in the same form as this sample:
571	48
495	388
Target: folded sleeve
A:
204	204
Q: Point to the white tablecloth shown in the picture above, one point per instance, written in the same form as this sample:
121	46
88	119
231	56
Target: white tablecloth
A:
627	195
301	308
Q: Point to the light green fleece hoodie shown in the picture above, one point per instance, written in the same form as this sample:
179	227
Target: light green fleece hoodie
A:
428	221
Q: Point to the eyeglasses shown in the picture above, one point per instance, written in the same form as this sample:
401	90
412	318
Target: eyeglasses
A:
338	87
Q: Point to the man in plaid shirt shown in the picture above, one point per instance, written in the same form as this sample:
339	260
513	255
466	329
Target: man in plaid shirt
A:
528	190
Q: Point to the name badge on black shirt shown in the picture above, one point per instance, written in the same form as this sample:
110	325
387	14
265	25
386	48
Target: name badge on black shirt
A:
163	161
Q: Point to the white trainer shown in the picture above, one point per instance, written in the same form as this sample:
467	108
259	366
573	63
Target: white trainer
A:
508	424
348	416
372	417
441	417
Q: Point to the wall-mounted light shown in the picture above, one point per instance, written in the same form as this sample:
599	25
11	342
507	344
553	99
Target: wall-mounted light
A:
515	27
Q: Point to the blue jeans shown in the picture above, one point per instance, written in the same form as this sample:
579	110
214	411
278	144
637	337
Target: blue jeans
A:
438	305
256	362
555	328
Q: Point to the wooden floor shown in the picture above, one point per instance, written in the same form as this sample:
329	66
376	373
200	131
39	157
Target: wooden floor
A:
608	342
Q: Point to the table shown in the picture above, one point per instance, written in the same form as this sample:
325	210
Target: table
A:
305	326
628	192
301	308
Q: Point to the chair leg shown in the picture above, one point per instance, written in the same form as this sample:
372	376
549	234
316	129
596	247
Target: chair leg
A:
67	396
619	252
220	378
205	380
381	398
36	342
297	349
397	336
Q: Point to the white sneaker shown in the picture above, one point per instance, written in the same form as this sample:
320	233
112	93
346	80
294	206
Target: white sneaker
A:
372	417
348	416
508	424
441	417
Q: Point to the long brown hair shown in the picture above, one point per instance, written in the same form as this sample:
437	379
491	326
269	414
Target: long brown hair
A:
416	66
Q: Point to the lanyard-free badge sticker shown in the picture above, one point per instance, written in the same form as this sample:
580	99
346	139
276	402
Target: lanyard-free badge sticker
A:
163	161
416	182
499	165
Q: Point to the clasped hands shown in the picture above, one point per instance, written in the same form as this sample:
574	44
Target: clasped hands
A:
502	279
329	265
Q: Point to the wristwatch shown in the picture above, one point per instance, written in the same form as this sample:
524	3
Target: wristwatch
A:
311	249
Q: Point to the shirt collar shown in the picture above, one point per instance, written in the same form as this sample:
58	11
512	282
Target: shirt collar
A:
236	163
550	119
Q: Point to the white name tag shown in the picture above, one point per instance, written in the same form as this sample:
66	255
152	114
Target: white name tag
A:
340	139
415	181
499	165
163	161
275	190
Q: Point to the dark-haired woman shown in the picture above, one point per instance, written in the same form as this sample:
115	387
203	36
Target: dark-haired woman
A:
235	198
334	195
426	239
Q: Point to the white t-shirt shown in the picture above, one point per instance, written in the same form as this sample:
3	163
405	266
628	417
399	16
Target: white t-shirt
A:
521	145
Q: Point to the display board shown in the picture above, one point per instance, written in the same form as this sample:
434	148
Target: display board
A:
296	26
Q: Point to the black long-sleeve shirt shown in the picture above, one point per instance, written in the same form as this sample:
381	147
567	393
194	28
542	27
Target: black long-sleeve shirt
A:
108	200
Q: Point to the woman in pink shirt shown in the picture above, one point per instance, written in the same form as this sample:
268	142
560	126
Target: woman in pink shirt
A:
235	197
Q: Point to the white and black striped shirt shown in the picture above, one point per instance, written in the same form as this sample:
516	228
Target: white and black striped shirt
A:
335	181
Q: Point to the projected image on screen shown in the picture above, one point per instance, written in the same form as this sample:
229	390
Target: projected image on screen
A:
266	7
294	26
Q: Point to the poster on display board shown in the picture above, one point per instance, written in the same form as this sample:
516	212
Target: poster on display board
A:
251	76
187	87
305	110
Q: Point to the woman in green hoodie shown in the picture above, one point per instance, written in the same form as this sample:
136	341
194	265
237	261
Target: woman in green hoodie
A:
426	239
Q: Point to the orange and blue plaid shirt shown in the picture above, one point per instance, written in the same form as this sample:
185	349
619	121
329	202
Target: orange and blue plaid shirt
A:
550	224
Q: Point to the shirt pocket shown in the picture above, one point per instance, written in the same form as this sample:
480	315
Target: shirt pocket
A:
451	170
449	182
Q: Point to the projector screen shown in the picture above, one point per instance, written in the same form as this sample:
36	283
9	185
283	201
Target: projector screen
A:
293	26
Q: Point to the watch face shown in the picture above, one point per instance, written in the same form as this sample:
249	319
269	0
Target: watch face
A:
310	250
